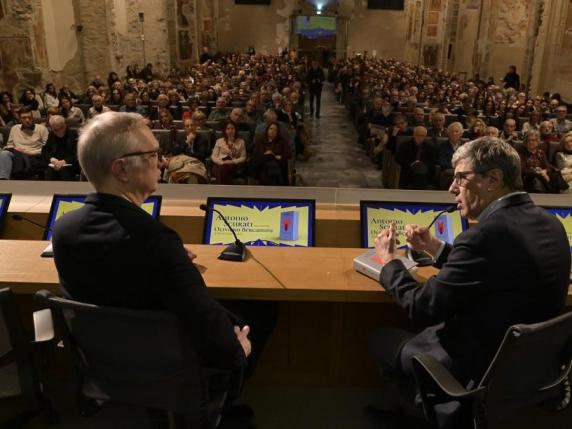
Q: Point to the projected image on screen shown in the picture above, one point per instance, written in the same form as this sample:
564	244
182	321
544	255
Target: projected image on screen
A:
315	27
564	215
377	215
261	222
62	204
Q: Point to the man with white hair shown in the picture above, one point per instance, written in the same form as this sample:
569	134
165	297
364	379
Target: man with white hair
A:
60	151
97	106
111	252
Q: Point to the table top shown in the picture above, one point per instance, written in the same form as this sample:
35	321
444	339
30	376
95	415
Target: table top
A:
269	273
310	274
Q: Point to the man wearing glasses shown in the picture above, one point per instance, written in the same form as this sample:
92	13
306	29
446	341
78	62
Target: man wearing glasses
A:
561	124
511	267
111	252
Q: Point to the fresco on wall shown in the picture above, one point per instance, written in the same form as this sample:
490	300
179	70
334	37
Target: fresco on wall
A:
186	10
512	21
15	54
565	66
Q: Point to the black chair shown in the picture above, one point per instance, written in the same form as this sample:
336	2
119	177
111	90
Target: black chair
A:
530	369
20	365
135	357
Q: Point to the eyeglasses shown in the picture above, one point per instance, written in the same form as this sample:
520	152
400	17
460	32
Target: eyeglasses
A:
157	153
460	178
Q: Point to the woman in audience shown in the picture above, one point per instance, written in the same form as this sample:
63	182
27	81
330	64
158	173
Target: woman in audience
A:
270	158
6	109
564	160
116	98
51	96
71	112
111	79
65	91
478	129
228	155
165	121
538	175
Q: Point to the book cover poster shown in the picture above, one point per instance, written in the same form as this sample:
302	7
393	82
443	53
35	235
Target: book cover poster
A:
289	226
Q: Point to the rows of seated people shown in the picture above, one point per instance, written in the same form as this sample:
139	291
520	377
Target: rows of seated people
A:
236	120
411	119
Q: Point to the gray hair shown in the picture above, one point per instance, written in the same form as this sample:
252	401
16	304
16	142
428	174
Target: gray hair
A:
104	139
57	120
488	153
455	125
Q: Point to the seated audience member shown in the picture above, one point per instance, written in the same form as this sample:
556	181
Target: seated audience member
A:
175	106
130	105
6	109
32	102
270	117
561	124
253	116
417	158
162	103
547	133
50	96
477	129
97	107
463	312
164	121
537	174
533	122
65	91
509	133
198	145
228	155
270	158
399	128
60	151
137	262
71	112
380	113
419	118
492	132
445	154
563	159
21	157
200	119
220	112
236	115
88	95
116	98
437	126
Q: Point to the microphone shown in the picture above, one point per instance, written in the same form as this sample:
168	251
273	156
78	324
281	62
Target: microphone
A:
234	252
420	257
48	251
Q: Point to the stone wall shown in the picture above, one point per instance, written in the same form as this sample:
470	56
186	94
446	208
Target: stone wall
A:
72	41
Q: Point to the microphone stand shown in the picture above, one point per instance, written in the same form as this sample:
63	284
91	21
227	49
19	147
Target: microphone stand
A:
233	252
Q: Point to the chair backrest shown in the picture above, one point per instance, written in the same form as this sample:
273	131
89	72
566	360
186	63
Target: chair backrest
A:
529	368
130	356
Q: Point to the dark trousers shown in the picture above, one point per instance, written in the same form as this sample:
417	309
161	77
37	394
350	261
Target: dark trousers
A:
317	97
26	166
65	173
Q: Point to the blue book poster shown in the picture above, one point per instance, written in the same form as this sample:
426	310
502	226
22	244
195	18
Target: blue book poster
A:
289	225
444	229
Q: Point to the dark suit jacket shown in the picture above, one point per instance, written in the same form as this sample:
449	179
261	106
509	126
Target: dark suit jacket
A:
406	155
512	267
111	252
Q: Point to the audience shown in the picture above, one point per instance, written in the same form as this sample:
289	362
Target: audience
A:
270	158
228	155
60	151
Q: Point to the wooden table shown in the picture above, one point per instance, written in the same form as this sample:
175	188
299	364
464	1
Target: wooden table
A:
269	273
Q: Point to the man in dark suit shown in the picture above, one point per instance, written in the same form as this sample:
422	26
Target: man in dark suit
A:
512	267
111	252
418	158
315	80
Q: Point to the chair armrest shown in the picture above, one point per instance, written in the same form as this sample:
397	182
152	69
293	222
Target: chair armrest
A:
43	326
7	358
443	378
